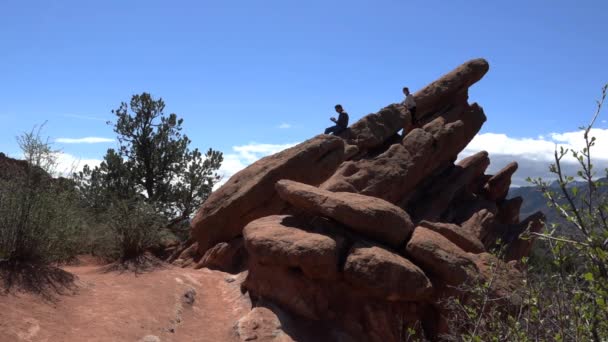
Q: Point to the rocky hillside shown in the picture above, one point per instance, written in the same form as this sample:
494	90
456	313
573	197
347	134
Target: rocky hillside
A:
367	233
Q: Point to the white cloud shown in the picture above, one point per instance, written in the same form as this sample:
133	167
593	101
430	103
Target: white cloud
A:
534	155
244	155
284	125
84	117
68	163
85	140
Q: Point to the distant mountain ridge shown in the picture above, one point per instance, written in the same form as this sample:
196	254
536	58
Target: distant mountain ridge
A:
534	200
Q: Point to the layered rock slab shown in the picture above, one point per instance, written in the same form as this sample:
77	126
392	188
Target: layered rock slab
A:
250	193
396	172
374	129
369	216
336	303
497	187
261	325
225	256
439	256
288	241
444	90
459	236
438	196
384	274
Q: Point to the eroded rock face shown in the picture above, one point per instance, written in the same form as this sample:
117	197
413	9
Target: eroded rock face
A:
374	129
438	196
395	173
225	256
437	254
446	90
387	275
367	238
497	187
382	177
461	237
250	193
369	216
261	325
292	242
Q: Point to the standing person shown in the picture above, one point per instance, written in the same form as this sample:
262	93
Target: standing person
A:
410	104
340	124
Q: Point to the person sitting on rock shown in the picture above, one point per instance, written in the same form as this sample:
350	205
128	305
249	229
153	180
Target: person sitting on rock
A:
410	104
340	124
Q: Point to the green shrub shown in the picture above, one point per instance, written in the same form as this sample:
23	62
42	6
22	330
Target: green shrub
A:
132	228
40	217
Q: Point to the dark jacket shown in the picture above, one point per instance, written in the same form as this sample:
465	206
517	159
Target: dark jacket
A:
342	119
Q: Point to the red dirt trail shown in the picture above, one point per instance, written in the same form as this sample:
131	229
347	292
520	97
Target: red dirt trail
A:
115	306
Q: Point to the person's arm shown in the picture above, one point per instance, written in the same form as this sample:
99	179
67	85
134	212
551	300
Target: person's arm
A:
333	119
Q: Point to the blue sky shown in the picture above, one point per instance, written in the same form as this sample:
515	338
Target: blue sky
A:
237	71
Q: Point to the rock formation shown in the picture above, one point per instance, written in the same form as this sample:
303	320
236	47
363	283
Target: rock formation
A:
367	233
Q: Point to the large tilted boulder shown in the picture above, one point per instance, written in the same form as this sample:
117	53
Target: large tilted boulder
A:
497	187
288	241
261	325
396	172
250	193
519	248
439	195
508	210
450	88
225	256
374	129
367	234
387	275
461	237
440	256
369	216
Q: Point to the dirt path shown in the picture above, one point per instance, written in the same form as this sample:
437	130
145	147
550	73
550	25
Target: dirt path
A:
153	306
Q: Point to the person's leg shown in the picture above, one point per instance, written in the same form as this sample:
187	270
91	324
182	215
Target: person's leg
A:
414	119
331	129
339	129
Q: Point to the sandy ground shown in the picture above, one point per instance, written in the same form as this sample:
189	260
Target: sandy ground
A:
124	306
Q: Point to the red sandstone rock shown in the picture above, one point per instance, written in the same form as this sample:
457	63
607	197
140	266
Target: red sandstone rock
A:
517	247
396	172
261	325
350	151
369	216
481	226
497	187
443	191
225	256
318	264
291	242
335	303
446	89
508	210
250	193
456	234
374	129
440	257
384	274
504	279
